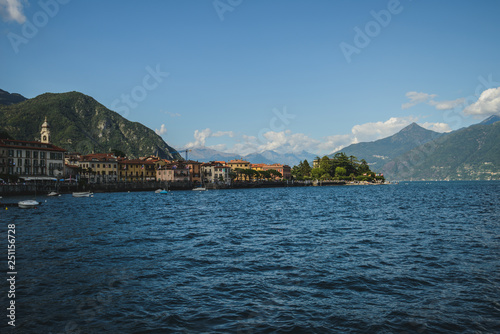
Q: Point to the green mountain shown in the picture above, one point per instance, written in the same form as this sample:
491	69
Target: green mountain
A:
472	153
380	152
81	124
7	98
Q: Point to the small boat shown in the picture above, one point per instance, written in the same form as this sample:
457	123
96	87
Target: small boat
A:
158	191
53	193
28	204
83	194
163	191
200	189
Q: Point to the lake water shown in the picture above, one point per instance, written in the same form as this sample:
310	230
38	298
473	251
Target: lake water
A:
409	258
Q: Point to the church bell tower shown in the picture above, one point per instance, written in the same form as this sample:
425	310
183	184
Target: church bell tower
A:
45	133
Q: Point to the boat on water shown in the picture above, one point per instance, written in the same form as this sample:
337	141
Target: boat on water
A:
200	189
28	204
83	194
53	193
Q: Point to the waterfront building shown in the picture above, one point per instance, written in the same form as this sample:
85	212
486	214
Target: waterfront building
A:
32	158
216	172
98	167
136	170
194	171
239	164
285	170
175	171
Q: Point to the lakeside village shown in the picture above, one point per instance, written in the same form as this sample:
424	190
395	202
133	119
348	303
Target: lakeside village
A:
25	162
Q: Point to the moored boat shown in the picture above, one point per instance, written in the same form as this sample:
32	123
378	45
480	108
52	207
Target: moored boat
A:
53	193
200	189
83	194
28	204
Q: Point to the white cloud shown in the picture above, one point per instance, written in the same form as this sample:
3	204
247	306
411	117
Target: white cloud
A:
487	104
200	138
12	10
289	142
172	114
223	133
447	105
417	98
438	127
377	130
162	130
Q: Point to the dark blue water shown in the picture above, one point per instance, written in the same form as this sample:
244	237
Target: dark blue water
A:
407	258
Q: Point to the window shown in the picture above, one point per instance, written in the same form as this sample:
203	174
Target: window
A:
42	155
11	153
35	154
27	154
19	153
19	162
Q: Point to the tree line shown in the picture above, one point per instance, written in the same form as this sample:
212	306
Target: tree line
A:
249	174
339	167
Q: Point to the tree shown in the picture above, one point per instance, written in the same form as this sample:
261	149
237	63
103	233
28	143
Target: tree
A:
363	167
340	172
118	153
275	173
305	168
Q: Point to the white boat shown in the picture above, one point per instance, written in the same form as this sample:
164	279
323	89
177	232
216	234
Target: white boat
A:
83	194
27	204
200	189
158	191
53	193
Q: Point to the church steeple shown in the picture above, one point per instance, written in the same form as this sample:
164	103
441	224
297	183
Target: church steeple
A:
45	133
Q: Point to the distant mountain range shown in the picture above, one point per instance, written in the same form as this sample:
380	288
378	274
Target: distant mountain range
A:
79	124
380	152
267	157
471	153
414	153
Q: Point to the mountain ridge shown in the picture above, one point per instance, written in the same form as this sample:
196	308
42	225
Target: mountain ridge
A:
377	153
81	124
471	153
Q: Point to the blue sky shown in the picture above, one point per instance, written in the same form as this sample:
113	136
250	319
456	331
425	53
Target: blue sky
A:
243	76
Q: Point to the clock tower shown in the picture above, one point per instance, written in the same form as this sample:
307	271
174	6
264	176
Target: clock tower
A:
45	133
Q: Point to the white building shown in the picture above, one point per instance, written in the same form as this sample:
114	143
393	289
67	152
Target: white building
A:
32	158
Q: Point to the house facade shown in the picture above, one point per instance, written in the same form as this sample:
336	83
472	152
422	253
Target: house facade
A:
32	158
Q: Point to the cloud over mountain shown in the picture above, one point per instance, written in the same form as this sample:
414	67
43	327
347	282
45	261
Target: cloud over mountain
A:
488	103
